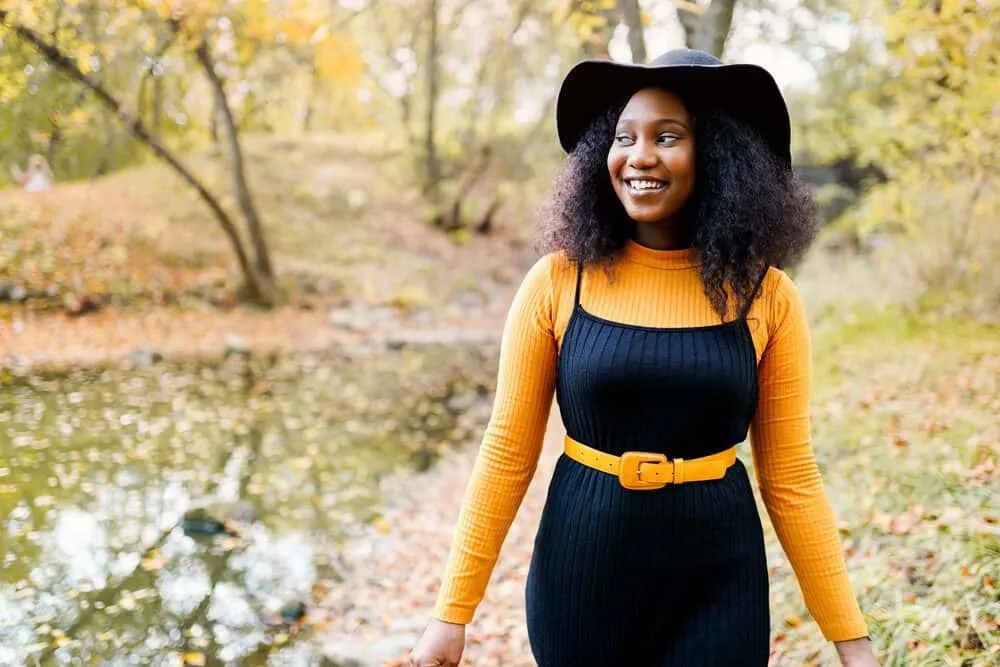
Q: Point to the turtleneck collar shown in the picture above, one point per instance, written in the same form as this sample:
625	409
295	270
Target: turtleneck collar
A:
685	258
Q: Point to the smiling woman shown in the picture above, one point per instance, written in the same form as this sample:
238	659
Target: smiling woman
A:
651	161
664	325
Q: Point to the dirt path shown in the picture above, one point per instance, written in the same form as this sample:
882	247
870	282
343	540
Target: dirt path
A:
111	337
375	616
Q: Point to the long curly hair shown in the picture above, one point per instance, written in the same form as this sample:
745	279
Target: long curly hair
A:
747	210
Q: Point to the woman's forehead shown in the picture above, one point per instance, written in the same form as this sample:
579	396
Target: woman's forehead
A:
654	101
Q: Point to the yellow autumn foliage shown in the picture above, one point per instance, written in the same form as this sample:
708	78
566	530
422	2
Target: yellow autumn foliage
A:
927	113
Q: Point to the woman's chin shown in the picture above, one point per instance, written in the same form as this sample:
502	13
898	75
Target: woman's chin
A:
647	217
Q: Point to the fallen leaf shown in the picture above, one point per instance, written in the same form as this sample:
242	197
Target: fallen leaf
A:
793	621
153	561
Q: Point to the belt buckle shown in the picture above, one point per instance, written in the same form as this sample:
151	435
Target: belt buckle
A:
630	472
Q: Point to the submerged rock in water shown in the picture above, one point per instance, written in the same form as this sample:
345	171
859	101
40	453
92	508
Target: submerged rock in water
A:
289	613
218	519
292	612
200	522
237	346
144	356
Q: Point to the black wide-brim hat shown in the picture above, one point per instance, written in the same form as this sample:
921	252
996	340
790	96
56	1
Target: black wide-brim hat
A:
745	91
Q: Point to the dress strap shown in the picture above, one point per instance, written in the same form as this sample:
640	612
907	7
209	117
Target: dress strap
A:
579	279
753	295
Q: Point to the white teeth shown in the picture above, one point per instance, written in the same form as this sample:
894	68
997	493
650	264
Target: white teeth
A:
645	185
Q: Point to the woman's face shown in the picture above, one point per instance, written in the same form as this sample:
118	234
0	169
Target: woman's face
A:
651	161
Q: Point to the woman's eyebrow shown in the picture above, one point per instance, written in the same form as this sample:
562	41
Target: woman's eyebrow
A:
658	121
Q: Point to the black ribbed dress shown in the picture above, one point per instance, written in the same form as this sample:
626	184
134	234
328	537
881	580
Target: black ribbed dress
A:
651	578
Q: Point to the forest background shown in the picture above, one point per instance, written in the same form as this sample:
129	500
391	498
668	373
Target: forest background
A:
249	309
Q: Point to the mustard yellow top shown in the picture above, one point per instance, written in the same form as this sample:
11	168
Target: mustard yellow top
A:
659	289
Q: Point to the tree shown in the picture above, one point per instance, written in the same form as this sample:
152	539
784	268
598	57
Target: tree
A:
451	74
431	65
258	274
928	113
706	26
595	21
68	36
632	15
925	111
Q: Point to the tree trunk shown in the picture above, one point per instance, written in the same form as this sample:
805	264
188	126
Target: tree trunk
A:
632	14
388	52
688	19
262	258
706	28
714	27
158	105
433	167
310	110
596	47
213	127
255	290
152	77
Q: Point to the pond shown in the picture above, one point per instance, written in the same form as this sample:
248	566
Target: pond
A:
191	514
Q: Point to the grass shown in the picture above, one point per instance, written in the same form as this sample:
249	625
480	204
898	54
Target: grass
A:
907	436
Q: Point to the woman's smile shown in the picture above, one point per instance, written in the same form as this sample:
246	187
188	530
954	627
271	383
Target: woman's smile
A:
645	187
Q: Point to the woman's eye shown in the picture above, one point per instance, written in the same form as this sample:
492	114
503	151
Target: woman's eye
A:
669	139
623	139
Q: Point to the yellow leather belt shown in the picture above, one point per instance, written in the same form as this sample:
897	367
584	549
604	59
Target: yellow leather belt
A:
648	470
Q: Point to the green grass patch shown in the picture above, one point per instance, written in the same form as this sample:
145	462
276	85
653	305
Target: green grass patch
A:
906	432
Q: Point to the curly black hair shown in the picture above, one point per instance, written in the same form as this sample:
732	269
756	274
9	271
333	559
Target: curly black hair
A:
746	211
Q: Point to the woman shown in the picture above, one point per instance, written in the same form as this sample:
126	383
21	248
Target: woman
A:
668	333
37	178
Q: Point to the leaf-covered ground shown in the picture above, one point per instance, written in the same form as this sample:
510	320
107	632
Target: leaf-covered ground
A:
906	432
90	271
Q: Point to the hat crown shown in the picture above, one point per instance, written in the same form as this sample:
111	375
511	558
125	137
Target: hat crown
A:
685	57
746	91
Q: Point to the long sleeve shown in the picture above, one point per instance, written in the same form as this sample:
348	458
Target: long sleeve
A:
788	475
510	449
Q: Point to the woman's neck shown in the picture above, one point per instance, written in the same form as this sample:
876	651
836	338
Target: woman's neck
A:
666	235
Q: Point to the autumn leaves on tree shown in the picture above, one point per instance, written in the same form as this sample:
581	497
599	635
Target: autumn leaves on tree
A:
72	37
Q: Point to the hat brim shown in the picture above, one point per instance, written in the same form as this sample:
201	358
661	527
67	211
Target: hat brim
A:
746	91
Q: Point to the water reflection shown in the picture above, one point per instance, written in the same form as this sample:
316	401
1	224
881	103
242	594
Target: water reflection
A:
104	560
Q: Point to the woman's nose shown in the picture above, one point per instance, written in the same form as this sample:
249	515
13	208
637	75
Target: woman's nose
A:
642	155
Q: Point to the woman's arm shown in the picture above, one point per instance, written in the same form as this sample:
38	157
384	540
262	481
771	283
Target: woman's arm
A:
20	176
510	448
788	476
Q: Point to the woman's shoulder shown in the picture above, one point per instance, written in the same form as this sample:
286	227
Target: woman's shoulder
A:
554	270
548	288
780	295
780	285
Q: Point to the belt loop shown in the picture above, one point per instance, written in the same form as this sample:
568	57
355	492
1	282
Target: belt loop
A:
678	471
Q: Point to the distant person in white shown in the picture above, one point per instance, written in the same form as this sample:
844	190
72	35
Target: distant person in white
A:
37	177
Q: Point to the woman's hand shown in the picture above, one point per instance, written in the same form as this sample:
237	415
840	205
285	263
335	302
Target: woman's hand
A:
856	653
441	645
